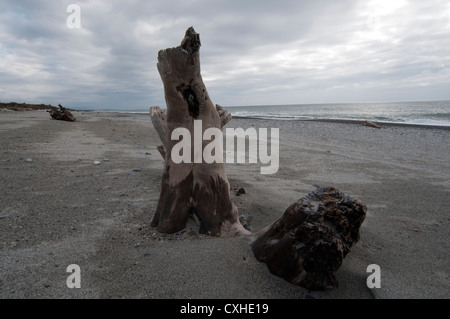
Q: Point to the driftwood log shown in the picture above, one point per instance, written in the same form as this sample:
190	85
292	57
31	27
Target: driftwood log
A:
200	189
371	124
307	244
62	114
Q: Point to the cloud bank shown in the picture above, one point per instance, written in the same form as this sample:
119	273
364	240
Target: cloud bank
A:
254	52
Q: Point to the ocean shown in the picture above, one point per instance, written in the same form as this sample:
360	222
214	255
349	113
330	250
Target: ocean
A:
435	113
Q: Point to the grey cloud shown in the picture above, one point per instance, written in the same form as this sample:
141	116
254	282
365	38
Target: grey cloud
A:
253	52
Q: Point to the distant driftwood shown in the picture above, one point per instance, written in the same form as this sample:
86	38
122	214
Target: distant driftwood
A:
61	114
199	189
371	124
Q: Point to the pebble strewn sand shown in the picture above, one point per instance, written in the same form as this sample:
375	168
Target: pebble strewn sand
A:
57	208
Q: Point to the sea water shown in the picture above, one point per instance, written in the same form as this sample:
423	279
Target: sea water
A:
436	113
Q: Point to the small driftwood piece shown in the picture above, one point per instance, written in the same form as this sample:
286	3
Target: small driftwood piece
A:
307	244
371	124
199	189
62	114
159	117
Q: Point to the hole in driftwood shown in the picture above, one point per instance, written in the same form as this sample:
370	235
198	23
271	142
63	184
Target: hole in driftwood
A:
192	102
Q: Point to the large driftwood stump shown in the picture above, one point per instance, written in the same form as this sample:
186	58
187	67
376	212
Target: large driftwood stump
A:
307	244
62	114
200	189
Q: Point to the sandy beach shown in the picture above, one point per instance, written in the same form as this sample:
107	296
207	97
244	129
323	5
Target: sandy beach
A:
57	208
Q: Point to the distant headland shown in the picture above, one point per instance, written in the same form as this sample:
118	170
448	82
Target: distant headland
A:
14	106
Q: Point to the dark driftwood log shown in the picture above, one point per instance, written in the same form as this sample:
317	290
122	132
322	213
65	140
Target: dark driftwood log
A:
307	244
61	114
201	189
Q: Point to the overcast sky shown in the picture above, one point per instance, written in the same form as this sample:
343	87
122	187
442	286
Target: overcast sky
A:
253	52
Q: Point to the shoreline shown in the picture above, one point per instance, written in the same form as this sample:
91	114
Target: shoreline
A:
59	209
339	121
343	121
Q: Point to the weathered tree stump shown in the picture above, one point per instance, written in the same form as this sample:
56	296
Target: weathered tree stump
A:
62	114
307	244
189	188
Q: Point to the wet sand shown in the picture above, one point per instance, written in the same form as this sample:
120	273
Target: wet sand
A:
57	208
